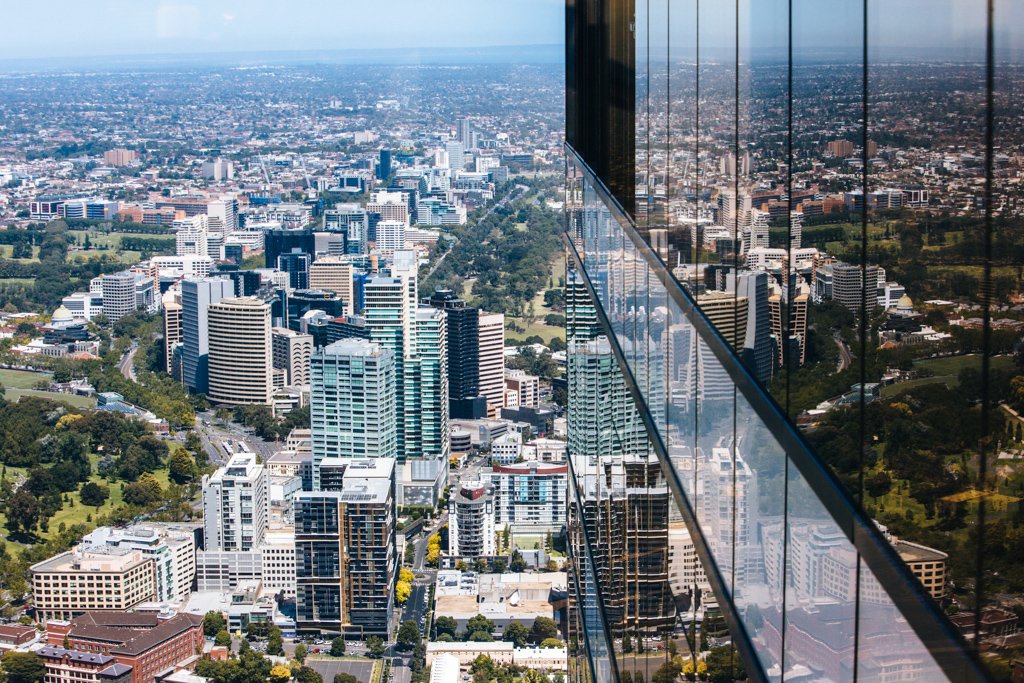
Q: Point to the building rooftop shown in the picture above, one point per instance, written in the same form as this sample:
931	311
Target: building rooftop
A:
912	552
136	632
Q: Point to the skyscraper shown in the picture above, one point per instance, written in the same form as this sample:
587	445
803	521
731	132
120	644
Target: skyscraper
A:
172	330
236	505
334	273
353	403
241	353
127	292
196	297
384	167
346	555
491	334
279	241
456	156
463	331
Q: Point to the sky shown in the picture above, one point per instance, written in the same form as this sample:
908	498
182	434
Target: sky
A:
39	29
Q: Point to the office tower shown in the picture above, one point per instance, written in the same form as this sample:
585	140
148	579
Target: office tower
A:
384	166
292	352
125	293
353	403
222	215
172	547
334	273
390	236
196	297
463	332
236	505
191	238
471	528
172	330
456	156
352	222
240	353
850	282
279	241
728	313
464	129
346	554
757	339
296	264
491	335
389	206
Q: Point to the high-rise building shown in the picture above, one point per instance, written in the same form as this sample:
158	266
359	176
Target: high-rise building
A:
172	547
427	430
240	351
125	293
236	505
529	497
172	330
335	274
491	335
456	156
196	297
191	236
218	170
471	521
521	389
119	157
353	222
279	241
390	236
463	333
296	263
757	341
346	553
464	131
353	403
292	352
384	165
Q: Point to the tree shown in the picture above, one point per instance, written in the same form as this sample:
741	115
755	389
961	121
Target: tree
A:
499	565
517	634
222	638
445	624
518	564
307	675
483	669
280	674
405	574
552	643
479	623
213	623
300	653
23	667
257	629
23	512
403	589
275	644
375	647
724	665
143	492
408	635
94	494
345	678
182	467
543	628
337	647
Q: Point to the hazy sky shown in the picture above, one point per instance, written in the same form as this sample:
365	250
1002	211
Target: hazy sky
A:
71	28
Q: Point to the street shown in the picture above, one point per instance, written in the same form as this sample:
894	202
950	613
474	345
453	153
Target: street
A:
127	363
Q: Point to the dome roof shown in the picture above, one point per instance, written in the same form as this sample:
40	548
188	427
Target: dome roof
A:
62	315
905	302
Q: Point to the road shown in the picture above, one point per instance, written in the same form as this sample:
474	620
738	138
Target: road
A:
845	358
213	435
127	363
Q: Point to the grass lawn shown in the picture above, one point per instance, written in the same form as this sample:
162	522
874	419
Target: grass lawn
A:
17	282
947	371
546	332
21	379
19	383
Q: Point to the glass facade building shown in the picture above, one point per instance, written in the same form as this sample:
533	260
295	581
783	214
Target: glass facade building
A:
781	219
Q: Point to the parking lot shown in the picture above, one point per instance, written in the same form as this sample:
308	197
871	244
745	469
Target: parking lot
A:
329	668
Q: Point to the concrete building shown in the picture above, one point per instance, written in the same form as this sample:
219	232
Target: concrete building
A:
292	353
463	332
172	547
241	356
196	297
119	157
444	668
191	236
236	505
390	236
172	330
125	293
529	497
471	521
88	578
335	273
182	266
521	389
84	306
491	336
